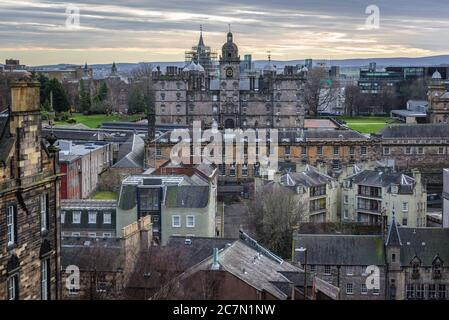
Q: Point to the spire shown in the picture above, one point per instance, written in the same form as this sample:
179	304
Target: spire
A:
229	33
393	239
201	42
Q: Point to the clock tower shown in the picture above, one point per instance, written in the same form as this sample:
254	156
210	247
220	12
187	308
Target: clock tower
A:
230	84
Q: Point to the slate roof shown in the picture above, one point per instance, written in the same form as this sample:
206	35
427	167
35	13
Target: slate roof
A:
320	134
384	178
131	153
187	196
425	243
393	237
180	191
254	267
332	249
89	134
89	254
419	131
310	177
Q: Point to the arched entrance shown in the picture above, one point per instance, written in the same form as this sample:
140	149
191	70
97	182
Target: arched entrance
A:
229	124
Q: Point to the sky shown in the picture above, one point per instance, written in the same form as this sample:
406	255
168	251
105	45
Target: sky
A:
36	31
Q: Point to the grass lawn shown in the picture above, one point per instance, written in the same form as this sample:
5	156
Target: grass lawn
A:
105	195
95	120
367	124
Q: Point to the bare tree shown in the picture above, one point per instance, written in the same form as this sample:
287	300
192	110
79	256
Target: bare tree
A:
274	213
319	91
355	100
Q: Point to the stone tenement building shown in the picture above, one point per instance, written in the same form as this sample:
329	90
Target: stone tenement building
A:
328	148
29	201
411	261
231	100
421	146
438	111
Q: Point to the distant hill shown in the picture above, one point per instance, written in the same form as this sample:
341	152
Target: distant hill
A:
126	68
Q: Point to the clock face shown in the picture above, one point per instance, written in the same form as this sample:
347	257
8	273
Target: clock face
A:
229	72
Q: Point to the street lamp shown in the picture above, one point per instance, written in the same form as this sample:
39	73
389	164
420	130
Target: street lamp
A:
302	249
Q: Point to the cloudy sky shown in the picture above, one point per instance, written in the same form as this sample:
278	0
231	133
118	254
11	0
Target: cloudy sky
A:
35	31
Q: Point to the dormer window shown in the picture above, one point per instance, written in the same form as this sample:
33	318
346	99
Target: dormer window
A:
415	268
436	268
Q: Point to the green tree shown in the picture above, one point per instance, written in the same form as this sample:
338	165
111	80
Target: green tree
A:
102	93
56	95
136	101
84	98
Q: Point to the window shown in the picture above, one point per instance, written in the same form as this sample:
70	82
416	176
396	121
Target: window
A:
376	291
232	171
441	291
364	289
101	283
107	218
312	268
386	151
349	288
287	150
222	169
346	199
75	234
441	150
190	221
63	217
336	151
327	270
393	257
92	217
158	152
13	287
335	164
410	291
346	214
304	151
11	225
420	150
352	150
431	292
404	221
405	206
107	235
45	283
92	235
176	221
349	271
408	150
319	150
257	170
76	217
420	291
363	151
245	170
44	212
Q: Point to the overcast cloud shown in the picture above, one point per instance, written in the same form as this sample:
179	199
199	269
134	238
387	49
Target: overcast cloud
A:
147	30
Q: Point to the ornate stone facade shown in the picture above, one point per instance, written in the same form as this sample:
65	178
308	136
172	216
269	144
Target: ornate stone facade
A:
29	202
267	99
